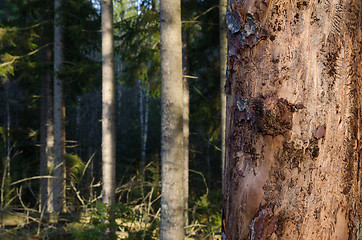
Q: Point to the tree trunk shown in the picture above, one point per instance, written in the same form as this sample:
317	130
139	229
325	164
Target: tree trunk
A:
144	103
108	105
59	115
293	128
6	168
186	118
223	54
46	138
172	160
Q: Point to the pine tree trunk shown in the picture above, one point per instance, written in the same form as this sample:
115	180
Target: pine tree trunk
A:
108	105
172	160
59	115
186	118
143	103
223	54
6	168
46	138
293	134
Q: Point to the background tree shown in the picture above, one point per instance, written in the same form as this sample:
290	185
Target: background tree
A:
108	105
186	116
293	120
59	114
223	56
172	160
46	136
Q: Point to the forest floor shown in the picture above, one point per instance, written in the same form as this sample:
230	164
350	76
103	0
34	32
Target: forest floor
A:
15	225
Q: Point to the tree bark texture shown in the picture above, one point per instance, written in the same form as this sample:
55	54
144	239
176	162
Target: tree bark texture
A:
59	115
108	105
172	158
293	133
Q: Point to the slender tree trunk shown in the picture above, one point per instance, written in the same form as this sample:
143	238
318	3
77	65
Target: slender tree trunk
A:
147	105
144	102
119	92
6	171
79	129
119	101
108	105
223	54
293	156
8	125
59	115
46	137
172	160
186	117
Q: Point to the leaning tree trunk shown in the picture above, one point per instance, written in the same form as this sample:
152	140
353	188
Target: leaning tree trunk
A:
172	160
108	106
293	137
59	115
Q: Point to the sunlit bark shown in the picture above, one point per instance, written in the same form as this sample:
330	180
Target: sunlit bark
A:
172	160
223	54
293	134
108	105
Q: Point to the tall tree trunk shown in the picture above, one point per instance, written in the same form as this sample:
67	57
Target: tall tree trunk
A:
46	138
172	160
186	117
108	105
6	170
144	103
59	114
293	156
223	54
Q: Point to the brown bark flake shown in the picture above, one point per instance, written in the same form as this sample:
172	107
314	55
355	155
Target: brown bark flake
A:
263	225
270	115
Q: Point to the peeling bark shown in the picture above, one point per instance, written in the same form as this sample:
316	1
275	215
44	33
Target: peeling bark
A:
293	128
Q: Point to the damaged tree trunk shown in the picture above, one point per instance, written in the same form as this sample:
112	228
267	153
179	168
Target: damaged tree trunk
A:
293	127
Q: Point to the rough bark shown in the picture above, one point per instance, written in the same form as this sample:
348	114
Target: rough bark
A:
59	115
172	160
293	134
223	54
108	105
46	138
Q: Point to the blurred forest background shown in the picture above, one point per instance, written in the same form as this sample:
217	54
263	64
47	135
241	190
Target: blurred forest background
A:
26	38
